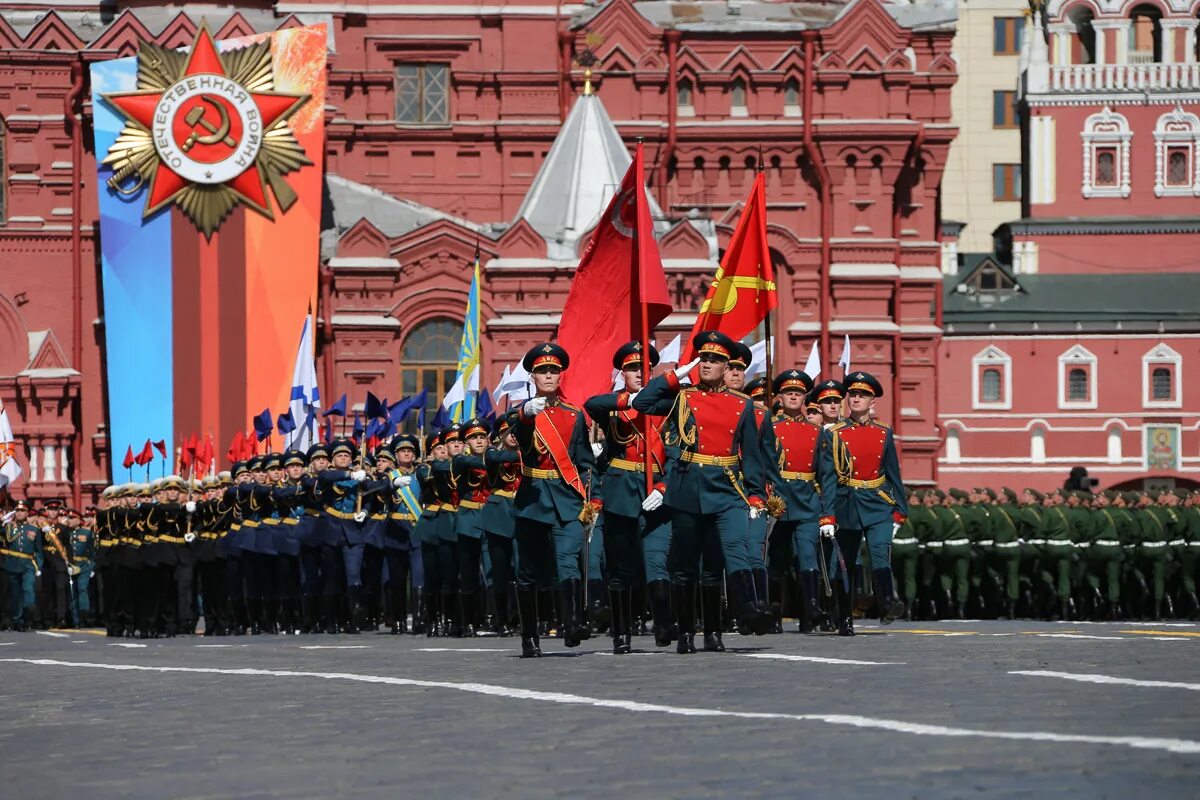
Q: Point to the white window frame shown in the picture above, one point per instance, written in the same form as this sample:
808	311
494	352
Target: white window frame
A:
953	446
792	110
744	109
1162	355
1037	442
1106	128
991	356
686	109
1174	129
1114	444
1078	356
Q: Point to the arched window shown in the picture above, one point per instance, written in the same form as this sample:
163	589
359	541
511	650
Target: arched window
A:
1037	445
429	361
1145	35
1160	384
1114	444
953	446
1077	385
684	101
991	385
737	98
1106	137
791	98
1176	144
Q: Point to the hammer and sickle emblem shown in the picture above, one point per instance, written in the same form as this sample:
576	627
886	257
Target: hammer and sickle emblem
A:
216	133
624	201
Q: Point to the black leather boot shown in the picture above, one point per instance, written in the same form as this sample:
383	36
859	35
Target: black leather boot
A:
845	607
811	611
571	627
397	612
775	604
665	630
751	618
466	613
431	615
619	603
889	606
527	606
418	611
683	598
357	613
599	615
500	598
710	603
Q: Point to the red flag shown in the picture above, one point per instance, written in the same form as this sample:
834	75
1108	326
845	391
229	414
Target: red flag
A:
145	456
235	448
743	290
161	447
249	444
620	272
129	461
187	453
205	455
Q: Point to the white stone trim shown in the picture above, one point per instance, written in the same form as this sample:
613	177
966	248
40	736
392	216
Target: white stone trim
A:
1043	151
1106	128
1162	354
991	356
1176	127
1078	356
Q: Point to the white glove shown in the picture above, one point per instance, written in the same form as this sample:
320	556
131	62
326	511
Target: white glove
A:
597	449
358	475
190	506
755	513
47	528
189	537
895	528
534	407
682	373
400	481
633	395
653	501
359	516
828	530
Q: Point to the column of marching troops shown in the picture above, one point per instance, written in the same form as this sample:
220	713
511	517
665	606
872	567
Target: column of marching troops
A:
544	522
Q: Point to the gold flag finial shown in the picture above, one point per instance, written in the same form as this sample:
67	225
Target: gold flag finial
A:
587	60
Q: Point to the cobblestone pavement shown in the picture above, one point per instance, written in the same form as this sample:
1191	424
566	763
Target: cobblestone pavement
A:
966	709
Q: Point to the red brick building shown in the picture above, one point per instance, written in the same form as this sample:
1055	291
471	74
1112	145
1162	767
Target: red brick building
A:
442	115
1075	343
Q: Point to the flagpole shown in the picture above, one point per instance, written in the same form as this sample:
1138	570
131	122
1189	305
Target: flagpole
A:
640	181
770	331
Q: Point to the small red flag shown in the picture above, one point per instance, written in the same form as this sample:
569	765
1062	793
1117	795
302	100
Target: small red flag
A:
146	455
235	448
161	447
205	455
743	290
620	271
129	461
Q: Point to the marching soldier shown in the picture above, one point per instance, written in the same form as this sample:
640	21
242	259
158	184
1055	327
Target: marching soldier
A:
427	533
499	517
1188	553
56	568
799	462
315	612
829	396
211	524
398	539
906	552
23	560
635	521
289	497
342	486
1006	547
447	539
83	557
556	469
471	479
871	500
709	436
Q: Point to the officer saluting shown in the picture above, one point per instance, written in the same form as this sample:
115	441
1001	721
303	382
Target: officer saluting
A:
630	515
710	435
800	465
871	500
556	466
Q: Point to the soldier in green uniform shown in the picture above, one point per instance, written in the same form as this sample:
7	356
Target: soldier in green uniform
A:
22	551
977	524
926	527
1158	523
83	558
1005	557
500	520
427	534
953	556
1188	554
1105	554
1058	555
906	552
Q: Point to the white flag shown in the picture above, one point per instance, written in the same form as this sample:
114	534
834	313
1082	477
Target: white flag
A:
456	394
10	470
516	384
496	395
758	355
618	381
813	367
844	361
671	353
305	397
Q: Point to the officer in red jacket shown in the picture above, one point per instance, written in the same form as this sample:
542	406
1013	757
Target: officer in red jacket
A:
556	470
715	485
871	500
633	518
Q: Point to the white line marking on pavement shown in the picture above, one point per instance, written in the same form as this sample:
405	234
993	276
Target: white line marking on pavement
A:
222	645
6	644
124	644
335	647
1085	636
1170	745
1083	677
1163	639
465	650
52	633
79	641
819	659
